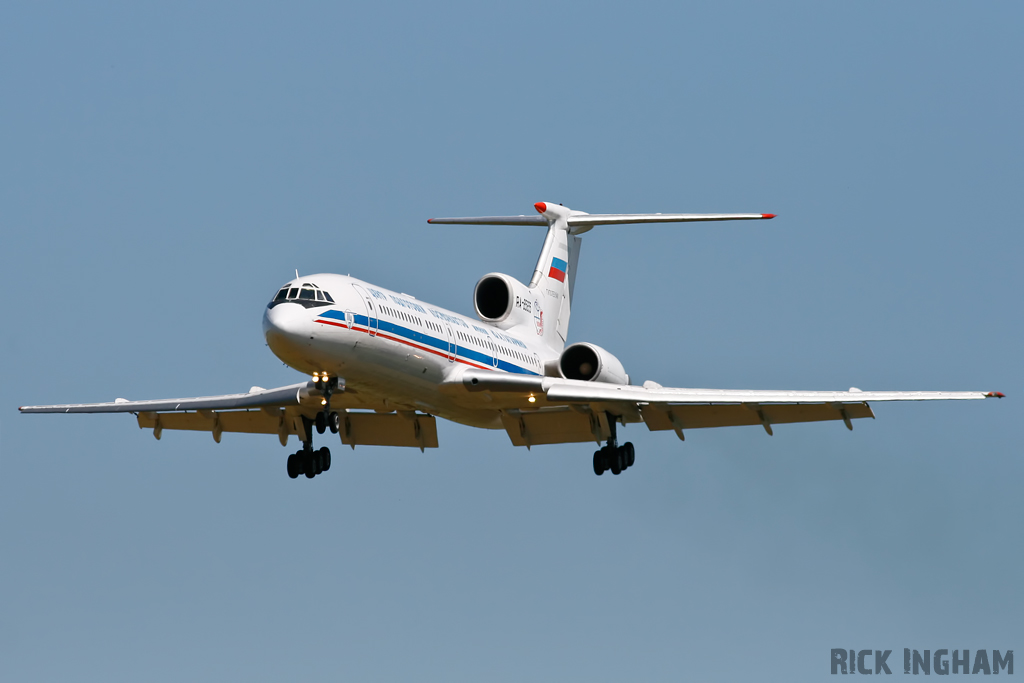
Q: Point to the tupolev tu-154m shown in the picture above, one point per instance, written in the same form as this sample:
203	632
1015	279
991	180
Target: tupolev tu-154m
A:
385	365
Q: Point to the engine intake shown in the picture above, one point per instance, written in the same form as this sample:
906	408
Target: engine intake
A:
503	301
591	363
492	298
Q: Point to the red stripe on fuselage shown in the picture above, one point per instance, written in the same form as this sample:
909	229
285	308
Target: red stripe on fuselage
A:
407	343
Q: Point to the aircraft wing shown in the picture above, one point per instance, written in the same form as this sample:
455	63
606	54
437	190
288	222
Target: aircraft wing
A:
574	411
283	411
255	398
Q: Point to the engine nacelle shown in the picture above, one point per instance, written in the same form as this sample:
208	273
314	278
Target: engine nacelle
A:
503	301
591	363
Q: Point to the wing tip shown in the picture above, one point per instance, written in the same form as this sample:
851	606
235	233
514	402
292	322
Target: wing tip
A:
768	215
995	394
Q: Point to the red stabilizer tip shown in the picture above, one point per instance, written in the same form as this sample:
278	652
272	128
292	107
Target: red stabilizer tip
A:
996	394
430	220
541	207
767	215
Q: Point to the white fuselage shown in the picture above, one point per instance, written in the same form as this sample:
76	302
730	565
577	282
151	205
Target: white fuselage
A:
395	352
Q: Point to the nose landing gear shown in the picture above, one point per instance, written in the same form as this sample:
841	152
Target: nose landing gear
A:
613	456
326	418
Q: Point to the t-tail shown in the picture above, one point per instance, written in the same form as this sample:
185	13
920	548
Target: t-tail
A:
550	292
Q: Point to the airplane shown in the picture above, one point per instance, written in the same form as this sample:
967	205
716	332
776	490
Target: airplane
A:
384	366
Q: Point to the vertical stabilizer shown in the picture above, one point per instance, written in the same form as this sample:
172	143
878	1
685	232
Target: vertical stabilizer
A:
554	277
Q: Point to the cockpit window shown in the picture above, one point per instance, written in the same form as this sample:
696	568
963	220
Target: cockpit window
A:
308	294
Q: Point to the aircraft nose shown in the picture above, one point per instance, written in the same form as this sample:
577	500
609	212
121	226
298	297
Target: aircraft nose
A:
285	326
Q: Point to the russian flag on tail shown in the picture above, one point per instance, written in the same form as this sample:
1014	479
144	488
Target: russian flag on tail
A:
558	268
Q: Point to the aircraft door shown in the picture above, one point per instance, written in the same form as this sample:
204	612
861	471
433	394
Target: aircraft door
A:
371	310
453	348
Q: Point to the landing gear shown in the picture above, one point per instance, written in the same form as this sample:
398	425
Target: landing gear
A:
615	458
309	462
325	421
612	456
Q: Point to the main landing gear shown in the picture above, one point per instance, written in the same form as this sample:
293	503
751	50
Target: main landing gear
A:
309	462
313	462
613	456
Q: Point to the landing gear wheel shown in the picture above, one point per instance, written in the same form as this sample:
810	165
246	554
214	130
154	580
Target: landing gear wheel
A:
293	466
321	423
630	453
334	422
325	457
598	463
308	466
615	455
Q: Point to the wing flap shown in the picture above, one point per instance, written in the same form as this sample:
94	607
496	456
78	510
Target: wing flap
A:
679	417
534	428
242	421
415	430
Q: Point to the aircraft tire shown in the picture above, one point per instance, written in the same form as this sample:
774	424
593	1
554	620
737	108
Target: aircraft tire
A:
308	465
598	463
293	469
630	453
321	423
615	455
325	458
334	422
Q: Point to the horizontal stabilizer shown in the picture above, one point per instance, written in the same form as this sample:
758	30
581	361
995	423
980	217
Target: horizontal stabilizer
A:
581	222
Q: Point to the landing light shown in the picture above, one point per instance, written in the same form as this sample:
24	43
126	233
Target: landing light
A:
323	401
532	399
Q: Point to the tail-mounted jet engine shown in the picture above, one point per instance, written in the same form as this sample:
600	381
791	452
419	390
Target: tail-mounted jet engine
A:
591	363
503	301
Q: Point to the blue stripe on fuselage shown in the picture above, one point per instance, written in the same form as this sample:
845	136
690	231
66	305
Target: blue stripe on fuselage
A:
428	340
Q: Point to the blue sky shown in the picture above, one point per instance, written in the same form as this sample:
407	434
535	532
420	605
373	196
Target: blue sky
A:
164	168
